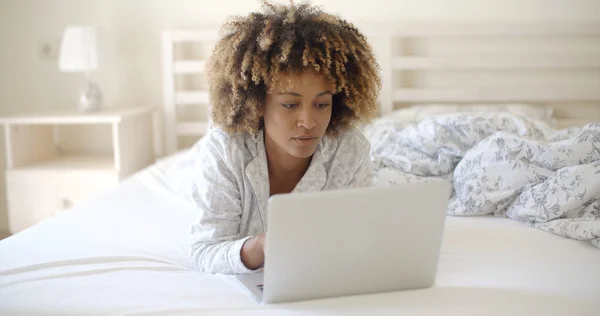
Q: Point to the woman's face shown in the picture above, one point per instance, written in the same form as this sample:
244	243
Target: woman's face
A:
296	114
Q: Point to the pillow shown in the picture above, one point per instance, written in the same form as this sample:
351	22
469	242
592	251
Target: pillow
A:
414	114
417	113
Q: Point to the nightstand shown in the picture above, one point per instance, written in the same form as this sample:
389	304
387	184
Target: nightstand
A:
56	160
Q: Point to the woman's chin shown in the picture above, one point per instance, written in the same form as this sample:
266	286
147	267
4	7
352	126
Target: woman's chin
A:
302	151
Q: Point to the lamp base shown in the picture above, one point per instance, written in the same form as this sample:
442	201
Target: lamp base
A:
90	99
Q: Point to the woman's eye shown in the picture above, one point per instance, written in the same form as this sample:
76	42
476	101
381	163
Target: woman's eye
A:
288	105
323	105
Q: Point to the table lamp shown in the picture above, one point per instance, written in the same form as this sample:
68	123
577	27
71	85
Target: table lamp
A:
78	54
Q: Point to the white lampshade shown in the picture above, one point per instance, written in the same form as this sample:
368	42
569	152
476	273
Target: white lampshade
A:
78	50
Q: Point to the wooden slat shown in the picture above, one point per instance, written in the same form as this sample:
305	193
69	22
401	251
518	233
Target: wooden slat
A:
487	29
567	123
194	35
192	97
525	62
384	56
499	94
169	113
116	147
192	128
189	67
432	95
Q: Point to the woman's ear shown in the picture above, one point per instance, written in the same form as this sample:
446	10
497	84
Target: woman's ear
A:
261	111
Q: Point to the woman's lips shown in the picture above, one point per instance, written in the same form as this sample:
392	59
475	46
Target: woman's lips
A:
304	140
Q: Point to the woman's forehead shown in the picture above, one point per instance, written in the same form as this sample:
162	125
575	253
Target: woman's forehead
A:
302	80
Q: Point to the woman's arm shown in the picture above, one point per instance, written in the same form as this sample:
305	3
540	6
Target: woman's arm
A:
216	240
253	252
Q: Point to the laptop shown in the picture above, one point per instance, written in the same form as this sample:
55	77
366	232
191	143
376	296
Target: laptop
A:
351	242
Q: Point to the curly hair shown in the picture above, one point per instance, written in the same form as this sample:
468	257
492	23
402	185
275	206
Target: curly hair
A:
255	50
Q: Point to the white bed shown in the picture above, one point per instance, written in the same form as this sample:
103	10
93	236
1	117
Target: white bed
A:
126	252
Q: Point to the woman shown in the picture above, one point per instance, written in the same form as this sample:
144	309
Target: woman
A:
286	86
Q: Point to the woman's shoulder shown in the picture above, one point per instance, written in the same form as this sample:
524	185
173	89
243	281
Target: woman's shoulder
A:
348	163
348	144
215	153
215	148
352	140
219	142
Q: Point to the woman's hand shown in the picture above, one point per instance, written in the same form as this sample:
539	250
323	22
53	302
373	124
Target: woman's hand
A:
253	252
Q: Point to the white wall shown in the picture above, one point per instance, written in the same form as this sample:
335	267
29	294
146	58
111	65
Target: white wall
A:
130	55
129	39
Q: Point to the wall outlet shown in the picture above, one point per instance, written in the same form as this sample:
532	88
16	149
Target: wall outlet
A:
49	50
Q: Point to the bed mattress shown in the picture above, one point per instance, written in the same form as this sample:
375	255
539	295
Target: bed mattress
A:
125	252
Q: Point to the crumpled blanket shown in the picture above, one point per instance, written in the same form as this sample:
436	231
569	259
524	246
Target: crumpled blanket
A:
502	165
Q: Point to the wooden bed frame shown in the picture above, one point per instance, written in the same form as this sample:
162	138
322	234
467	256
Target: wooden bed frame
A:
541	64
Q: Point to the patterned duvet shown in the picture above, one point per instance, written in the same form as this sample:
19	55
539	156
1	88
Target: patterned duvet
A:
500	164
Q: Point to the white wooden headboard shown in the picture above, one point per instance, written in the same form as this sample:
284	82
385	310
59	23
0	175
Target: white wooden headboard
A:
555	65
185	94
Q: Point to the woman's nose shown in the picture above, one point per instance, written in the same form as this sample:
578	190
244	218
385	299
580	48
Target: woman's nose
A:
306	119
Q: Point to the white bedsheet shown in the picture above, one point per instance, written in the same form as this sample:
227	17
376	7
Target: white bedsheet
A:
126	253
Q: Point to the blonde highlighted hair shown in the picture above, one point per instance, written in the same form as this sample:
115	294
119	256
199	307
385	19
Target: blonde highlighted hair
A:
256	50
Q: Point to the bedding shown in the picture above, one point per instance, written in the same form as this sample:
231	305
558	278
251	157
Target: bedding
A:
504	165
418	112
414	114
126	252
